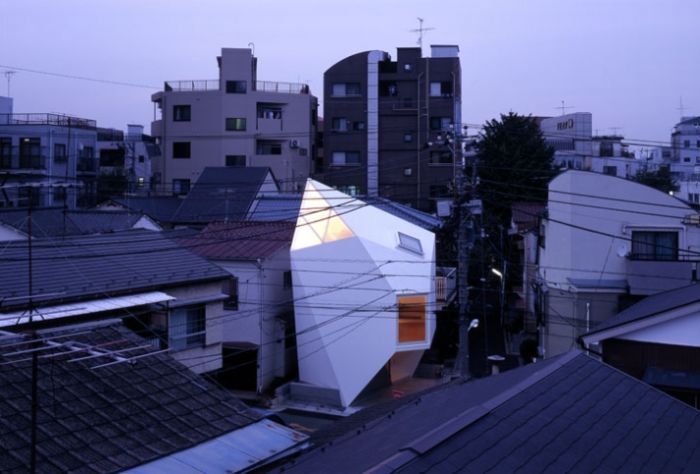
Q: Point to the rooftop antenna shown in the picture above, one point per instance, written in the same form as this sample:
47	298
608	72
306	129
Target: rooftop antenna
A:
8	75
420	30
681	108
563	107
615	130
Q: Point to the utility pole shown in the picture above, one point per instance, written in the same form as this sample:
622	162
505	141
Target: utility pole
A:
465	207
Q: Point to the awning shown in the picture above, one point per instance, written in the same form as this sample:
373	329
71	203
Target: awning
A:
83	307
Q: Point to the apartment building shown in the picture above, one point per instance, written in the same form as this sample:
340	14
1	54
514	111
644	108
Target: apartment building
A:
380	117
46	159
235	120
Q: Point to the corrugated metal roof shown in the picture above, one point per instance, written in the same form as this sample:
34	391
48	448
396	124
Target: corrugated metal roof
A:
233	452
84	307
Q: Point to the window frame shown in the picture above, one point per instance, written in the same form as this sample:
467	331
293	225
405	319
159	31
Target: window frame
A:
194	320
230	288
234	87
659	250
179	189
182	113
182	150
345	162
236	160
412	318
233	124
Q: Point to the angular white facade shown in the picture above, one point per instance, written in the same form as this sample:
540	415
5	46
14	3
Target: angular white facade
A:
364	292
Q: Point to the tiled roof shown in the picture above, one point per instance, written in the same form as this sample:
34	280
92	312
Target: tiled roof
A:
97	266
160	208
240	240
407	213
99	420
570	413
525	214
57	222
651	306
220	194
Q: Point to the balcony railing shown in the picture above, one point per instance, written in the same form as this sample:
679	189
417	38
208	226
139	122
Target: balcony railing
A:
282	87
191	86
47	119
445	284
87	165
23	162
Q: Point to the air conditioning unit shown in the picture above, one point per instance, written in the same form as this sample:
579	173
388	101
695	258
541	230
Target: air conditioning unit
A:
293	144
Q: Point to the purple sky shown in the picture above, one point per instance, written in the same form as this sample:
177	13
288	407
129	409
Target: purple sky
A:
627	61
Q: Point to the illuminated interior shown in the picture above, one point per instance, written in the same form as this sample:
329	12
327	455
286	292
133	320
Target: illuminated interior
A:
412	318
318	222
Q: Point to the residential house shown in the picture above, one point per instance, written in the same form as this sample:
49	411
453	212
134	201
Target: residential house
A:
125	161
568	414
235	120
46	159
364	296
605	243
258	333
656	341
161	290
56	222
108	402
380	114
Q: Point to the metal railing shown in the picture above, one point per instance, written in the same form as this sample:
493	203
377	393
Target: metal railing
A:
283	87
47	119
23	162
192	85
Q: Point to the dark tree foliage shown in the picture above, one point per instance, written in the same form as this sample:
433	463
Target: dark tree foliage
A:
661	179
514	163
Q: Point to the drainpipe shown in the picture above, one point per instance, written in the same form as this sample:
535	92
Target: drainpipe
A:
418	141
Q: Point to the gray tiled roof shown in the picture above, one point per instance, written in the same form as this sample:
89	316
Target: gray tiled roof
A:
107	419
570	413
160	208
97	266
651	306
57	222
221	193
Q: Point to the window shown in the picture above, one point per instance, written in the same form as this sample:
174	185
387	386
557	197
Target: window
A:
141	159
235	124
350	190
181	113
340	124
697	144
358	126
345	89
186	328
287	279
440	123
441	89
388	89
87	152
5	152
236	87
686	159
408	67
181	150
235	160
654	245
268	148
181	186
345	158
440	157
409	243
610	170
407	137
59	153
686	144
230	288
270	111
140	181
412	318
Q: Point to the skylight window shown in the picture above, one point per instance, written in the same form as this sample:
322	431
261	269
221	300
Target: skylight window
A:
411	244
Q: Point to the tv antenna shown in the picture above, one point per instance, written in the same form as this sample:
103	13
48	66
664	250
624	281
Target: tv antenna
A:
563	107
420	30
681	108
8	75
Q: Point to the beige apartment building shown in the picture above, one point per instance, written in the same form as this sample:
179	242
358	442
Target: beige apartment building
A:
234	120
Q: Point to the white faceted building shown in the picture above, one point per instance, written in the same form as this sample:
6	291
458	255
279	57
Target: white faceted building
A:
364	292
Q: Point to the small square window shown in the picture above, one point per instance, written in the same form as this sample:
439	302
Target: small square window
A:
181	150
409	243
141	159
407	137
235	160
236	87
59	153
235	124
358	126
230	288
181	113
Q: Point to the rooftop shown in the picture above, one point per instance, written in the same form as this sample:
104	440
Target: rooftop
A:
58	120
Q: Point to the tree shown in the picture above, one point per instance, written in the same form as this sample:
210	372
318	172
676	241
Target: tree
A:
661	179
514	163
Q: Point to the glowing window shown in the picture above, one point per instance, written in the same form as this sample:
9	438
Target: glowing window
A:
412	318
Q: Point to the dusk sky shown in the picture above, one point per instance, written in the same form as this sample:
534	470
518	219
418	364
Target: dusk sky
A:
627	62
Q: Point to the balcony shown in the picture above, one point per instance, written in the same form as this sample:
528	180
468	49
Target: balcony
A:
646	277
282	87
157	128
445	285
57	120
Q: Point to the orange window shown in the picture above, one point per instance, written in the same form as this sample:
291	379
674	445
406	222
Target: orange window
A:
412	318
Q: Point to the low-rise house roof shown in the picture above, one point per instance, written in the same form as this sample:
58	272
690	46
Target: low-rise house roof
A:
159	208
97	266
225	193
568	413
240	240
98	413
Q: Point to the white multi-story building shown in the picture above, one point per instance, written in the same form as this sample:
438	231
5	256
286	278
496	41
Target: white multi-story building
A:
46	159
685	141
235	120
